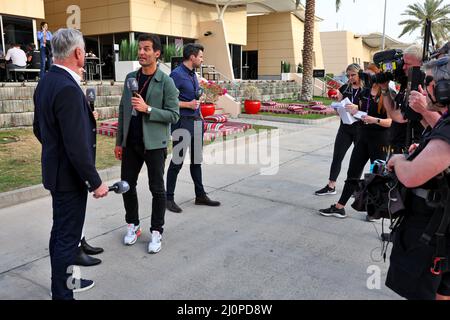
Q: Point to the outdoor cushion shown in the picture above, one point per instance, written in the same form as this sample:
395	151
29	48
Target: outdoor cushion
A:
221	118
213	126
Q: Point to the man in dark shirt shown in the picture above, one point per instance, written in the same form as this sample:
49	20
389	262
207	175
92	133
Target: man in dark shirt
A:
190	119
142	137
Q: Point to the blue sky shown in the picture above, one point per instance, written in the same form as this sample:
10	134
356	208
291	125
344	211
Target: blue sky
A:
365	16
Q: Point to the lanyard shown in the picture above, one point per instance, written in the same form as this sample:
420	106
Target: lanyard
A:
354	95
146	82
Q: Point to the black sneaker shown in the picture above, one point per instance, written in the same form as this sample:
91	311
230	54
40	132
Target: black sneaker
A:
325	191
370	219
333	211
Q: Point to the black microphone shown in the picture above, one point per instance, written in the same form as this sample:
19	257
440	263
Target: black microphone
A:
133	85
90	96
120	187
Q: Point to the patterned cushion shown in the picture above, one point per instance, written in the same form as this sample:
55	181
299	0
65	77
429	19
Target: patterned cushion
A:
318	108
221	118
295	108
213	126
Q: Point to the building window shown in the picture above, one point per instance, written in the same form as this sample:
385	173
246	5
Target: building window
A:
17	30
236	59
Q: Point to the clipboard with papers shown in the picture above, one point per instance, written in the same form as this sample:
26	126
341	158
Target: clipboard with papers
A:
345	116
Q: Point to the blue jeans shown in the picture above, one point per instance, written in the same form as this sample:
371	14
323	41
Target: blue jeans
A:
46	62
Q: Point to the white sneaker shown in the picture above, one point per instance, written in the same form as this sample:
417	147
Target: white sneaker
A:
155	245
133	233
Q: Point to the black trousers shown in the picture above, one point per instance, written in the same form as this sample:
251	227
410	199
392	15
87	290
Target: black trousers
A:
133	159
411	260
69	210
372	145
195	144
346	135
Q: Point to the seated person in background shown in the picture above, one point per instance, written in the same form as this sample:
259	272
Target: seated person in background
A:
18	59
90	54
29	52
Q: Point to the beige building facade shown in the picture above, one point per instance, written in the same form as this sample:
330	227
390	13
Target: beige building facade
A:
278	37
243	39
341	48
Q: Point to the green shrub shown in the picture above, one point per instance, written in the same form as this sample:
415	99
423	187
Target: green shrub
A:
128	51
170	50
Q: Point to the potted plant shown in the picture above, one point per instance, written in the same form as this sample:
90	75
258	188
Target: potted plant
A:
211	93
171	50
252	103
128	56
333	87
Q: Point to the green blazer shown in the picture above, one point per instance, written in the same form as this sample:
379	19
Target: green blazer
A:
162	96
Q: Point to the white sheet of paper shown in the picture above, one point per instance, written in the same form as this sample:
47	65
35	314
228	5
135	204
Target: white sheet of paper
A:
359	115
346	117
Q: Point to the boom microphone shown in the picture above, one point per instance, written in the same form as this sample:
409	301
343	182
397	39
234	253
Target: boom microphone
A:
90	96
120	187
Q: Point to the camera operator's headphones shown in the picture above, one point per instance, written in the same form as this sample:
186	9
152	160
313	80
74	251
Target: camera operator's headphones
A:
442	87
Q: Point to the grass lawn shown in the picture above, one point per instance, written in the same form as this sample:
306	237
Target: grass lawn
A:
325	101
297	116
20	160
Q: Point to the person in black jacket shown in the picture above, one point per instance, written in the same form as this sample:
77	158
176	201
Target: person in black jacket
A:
421	243
65	126
347	134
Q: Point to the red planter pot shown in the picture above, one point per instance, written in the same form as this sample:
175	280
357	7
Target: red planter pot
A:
252	107
332	92
207	109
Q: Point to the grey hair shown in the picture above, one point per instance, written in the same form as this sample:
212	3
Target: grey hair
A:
65	41
440	68
414	50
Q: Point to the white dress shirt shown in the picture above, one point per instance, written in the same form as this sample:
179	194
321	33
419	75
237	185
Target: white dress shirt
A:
17	56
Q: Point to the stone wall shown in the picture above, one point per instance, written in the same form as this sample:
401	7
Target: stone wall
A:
16	103
270	89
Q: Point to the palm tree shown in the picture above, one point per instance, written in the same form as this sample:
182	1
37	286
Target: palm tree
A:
433	10
308	49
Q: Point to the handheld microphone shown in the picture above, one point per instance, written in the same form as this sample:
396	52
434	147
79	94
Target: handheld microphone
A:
90	96
133	86
120	187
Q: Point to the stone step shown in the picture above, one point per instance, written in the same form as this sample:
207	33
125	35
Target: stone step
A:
25	119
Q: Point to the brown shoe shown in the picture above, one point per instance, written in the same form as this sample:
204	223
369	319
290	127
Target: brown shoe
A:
206	201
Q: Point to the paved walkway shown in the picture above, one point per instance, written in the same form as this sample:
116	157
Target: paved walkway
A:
266	241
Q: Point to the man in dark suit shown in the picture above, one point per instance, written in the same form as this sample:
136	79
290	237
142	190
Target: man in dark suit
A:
65	126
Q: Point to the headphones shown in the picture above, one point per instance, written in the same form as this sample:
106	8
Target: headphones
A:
441	87
442	92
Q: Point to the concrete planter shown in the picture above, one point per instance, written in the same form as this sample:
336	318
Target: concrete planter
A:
125	67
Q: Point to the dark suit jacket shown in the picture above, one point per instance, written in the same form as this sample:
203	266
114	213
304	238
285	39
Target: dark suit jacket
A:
66	128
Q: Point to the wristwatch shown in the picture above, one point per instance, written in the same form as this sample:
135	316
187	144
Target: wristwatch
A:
149	109
378	120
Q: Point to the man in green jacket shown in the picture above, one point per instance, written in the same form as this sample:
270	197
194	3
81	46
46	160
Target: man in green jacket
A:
145	116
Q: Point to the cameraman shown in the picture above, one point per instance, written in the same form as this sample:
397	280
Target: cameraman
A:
424	173
395	103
